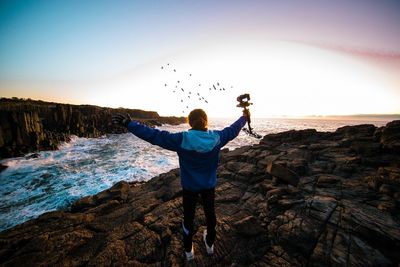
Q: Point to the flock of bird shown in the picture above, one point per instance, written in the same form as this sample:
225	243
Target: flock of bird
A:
191	92
188	90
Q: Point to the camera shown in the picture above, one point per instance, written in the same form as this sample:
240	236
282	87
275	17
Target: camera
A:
243	101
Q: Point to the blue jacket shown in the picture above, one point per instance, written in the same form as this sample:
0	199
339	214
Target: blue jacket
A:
198	151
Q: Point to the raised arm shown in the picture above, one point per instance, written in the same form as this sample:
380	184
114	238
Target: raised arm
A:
164	139
229	133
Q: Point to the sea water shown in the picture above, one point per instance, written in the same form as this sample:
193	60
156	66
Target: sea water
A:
52	180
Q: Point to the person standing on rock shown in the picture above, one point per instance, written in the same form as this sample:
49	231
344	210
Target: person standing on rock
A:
198	150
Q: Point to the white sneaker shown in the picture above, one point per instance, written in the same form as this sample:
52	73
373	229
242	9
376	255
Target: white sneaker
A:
210	250
190	255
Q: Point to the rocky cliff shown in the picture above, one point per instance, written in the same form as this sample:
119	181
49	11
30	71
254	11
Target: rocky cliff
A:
299	198
28	125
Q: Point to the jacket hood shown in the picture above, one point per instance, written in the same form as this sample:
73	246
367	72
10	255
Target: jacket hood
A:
200	141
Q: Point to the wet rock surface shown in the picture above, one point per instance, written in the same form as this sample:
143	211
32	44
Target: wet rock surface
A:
333	203
28	125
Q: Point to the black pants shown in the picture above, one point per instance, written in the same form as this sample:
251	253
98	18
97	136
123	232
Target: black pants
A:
189	209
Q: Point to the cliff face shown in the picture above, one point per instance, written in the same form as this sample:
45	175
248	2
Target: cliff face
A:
299	198
27	125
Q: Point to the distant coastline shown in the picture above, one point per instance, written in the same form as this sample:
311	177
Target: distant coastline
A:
378	117
359	116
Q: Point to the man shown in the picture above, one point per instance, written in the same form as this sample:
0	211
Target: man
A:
198	151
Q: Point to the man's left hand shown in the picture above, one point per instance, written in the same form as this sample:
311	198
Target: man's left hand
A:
121	119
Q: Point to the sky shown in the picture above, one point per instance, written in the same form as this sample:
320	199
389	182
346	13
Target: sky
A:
295	58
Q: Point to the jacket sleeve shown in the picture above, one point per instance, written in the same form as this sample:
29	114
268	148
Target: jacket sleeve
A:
229	133
164	139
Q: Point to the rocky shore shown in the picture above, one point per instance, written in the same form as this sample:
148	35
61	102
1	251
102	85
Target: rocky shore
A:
299	198
29	125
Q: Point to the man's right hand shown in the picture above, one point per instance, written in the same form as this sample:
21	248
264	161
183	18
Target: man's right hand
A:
246	113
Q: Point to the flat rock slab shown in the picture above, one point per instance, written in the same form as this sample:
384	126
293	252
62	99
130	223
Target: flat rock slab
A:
283	173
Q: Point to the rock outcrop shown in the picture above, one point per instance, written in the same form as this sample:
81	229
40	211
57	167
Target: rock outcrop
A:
333	200
28	125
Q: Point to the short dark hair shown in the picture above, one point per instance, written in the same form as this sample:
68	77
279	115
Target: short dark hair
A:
198	119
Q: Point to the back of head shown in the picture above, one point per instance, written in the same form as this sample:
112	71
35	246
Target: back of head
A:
198	120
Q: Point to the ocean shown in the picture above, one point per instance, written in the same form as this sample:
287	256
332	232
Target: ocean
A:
52	180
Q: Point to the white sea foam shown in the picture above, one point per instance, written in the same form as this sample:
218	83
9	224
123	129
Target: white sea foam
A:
31	186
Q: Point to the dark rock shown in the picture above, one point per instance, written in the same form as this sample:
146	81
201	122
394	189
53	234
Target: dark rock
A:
390	137
83	204
356	132
389	175
249	226
118	192
323	145
3	167
365	147
387	205
289	136
283	173
388	189
242	153
381	160
264	161
299	166
322	166
327	180
32	156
